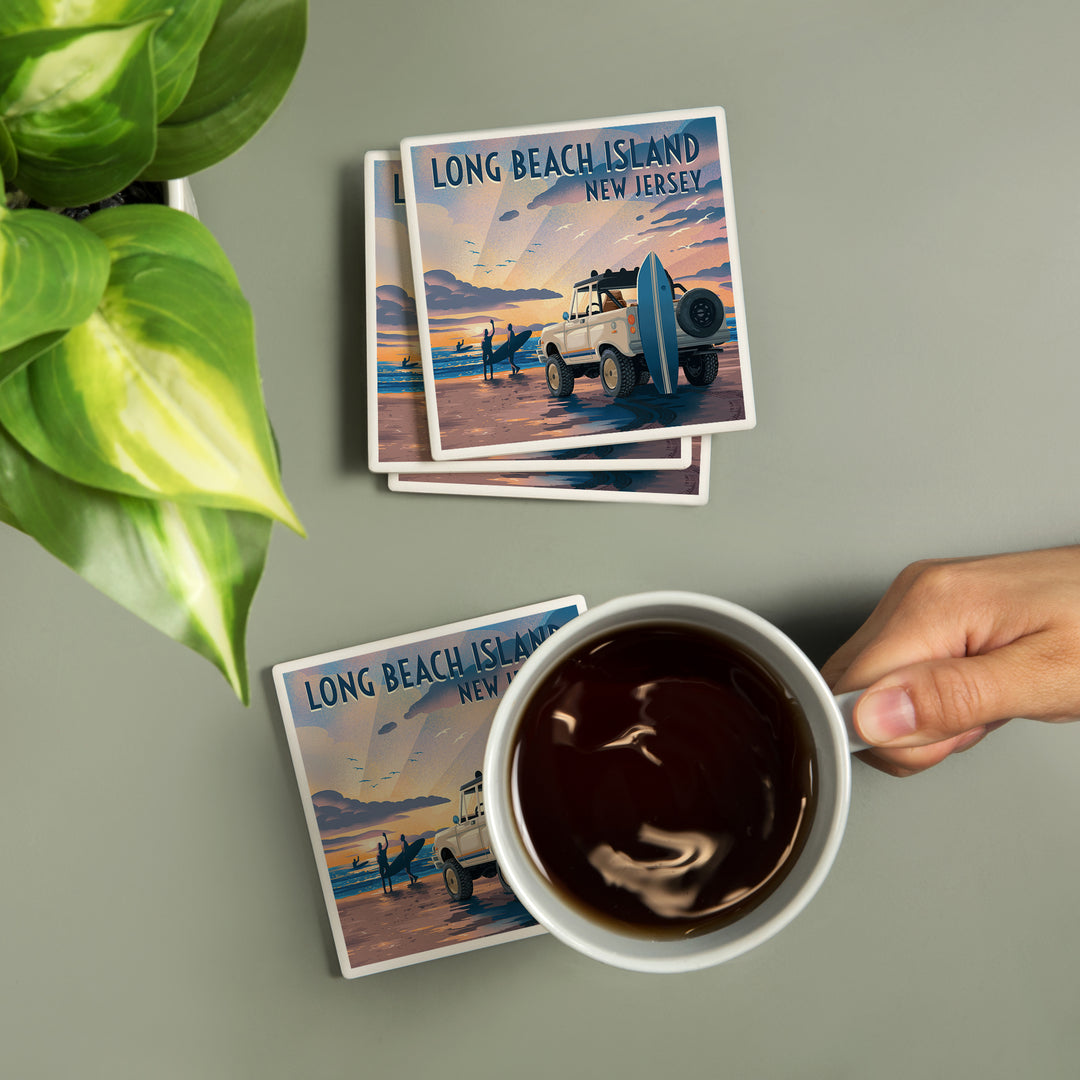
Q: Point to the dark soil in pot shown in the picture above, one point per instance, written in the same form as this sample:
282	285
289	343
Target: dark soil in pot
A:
140	191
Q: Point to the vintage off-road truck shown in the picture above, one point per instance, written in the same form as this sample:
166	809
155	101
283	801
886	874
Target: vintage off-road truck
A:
598	336
462	851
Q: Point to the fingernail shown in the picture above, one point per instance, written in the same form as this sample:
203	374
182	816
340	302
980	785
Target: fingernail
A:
886	715
969	739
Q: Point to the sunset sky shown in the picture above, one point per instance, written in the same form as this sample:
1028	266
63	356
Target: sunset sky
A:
395	760
511	248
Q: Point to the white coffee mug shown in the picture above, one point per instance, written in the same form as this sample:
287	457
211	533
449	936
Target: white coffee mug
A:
829	720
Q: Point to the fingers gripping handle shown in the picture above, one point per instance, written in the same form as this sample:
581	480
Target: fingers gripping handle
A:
846	704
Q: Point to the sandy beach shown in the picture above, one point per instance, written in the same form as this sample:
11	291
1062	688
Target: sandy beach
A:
380	926
475	412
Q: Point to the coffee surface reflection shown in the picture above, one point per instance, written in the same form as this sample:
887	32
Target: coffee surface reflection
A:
663	779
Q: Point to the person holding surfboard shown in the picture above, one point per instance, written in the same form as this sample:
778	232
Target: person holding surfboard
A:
510	347
406	858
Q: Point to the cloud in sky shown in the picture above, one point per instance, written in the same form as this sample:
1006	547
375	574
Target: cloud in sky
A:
459	322
445	292
387	728
441	695
394	307
567	189
335	812
509	215
691	217
712	189
722	239
720	273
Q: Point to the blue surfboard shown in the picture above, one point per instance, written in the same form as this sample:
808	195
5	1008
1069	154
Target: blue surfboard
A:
656	324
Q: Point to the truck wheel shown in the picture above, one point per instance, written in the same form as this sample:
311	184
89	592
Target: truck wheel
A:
457	879
701	368
700	312
617	372
560	379
643	375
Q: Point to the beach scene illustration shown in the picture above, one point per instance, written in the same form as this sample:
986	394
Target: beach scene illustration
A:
387	741
506	230
397	415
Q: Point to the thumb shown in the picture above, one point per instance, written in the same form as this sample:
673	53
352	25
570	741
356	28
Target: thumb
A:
939	699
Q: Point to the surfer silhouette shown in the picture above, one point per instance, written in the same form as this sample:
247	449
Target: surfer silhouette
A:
485	349
384	865
407	865
510	348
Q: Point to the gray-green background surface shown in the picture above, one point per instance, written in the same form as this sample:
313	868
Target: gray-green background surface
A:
905	178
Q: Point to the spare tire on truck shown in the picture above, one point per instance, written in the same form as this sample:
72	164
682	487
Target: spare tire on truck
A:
700	312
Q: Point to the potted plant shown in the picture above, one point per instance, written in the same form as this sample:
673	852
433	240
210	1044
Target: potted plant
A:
134	441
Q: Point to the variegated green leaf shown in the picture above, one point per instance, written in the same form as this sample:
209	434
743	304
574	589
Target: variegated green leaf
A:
188	570
52	274
245	68
79	106
149	229
7	515
176	44
18	356
157	394
9	157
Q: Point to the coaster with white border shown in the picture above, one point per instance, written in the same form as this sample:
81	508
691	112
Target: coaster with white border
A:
595	266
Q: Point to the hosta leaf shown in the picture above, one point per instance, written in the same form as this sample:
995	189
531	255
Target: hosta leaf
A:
176	45
157	394
17	357
7	515
144	229
246	66
9	157
79	106
190	571
52	274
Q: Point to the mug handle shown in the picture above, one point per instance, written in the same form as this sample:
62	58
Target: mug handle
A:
846	704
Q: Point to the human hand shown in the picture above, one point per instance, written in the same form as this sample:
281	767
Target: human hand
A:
956	648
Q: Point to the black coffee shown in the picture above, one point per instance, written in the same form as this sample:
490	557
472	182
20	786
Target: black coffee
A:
664	779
